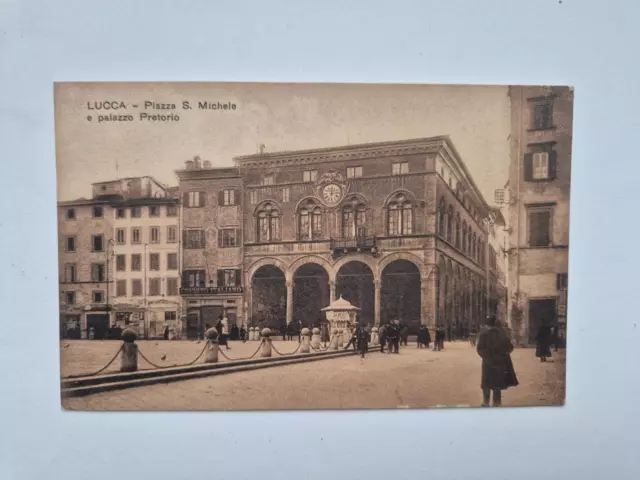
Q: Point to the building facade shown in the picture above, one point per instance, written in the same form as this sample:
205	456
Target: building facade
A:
538	198
497	270
212	238
84	242
146	257
396	228
119	259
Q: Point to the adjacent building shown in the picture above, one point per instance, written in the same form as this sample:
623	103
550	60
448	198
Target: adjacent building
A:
145	258
212	238
84	238
119	259
538	199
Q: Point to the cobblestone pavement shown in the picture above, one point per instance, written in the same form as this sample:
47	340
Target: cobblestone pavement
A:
416	378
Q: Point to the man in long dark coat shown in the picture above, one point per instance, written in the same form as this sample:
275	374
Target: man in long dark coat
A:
495	347
382	336
543	343
363	338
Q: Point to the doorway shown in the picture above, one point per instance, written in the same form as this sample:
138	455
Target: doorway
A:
542	312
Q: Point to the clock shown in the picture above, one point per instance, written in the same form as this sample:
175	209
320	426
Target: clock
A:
331	193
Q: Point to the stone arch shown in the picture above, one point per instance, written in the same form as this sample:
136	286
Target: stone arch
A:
264	202
367	260
410	196
410	257
275	262
312	259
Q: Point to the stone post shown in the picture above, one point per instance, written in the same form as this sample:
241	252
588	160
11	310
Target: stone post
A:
375	338
315	338
266	343
251	334
305	337
211	349
129	357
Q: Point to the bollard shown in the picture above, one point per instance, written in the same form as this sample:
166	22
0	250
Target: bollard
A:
375	338
266	343
212	347
250	334
305	337
333	342
341	338
129	358
315	338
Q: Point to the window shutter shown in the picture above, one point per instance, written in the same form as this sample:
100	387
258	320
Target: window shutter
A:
185	199
202	239
220	239
552	164
528	167
221	197
238	237
558	281
220	278
236	197
201	202
238	277
184	238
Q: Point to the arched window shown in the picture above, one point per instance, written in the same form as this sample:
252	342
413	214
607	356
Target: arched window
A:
449	223
441	219
458	232
399	216
472	247
268	223
310	224
464	236
354	219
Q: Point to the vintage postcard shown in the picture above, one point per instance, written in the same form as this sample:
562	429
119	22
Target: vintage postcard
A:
256	246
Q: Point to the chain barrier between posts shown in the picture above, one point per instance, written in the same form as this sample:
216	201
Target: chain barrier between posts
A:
285	354
99	371
221	352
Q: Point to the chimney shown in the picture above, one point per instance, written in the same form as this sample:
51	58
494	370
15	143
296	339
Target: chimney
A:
206	164
188	165
196	161
261	148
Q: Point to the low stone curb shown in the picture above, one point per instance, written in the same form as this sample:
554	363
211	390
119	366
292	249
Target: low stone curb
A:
81	386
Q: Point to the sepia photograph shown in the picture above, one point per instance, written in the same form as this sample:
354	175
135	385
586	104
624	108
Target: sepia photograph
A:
265	246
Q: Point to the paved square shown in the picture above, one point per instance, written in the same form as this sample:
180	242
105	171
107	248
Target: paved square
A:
416	378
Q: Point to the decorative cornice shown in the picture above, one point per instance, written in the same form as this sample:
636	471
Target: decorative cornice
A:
343	153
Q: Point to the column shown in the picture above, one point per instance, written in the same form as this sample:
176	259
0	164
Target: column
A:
376	310
248	307
332	291
289	302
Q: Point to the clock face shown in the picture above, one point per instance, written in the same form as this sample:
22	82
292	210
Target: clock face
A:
331	193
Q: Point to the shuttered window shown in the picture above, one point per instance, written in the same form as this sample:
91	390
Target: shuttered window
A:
540	227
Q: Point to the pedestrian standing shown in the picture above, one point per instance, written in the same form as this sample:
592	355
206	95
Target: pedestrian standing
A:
495	347
543	343
363	339
382	336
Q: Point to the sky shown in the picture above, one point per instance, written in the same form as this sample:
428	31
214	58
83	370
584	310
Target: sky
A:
279	116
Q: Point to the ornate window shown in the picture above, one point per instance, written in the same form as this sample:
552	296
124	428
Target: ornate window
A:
310	224
354	218
458	232
399	216
268	227
449	223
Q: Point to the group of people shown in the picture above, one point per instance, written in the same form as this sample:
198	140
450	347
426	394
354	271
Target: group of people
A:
392	335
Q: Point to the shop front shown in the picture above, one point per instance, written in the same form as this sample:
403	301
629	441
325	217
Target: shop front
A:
204	306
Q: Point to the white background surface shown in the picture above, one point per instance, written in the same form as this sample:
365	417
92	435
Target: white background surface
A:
591	45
